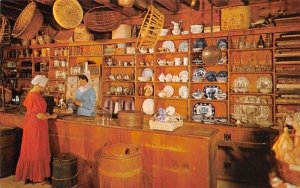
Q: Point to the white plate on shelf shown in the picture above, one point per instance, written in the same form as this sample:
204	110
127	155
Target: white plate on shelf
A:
183	92
148	106
147	72
169	90
183	73
168	44
183	46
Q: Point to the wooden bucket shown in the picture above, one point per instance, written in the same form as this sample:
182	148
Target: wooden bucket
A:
8	151
120	166
64	171
130	118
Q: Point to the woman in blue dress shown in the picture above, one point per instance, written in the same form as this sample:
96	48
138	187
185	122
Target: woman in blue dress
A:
85	97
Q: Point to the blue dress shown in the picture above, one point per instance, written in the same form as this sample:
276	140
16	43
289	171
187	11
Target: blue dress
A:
88	99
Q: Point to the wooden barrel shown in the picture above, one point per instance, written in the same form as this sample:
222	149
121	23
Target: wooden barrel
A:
120	166
8	151
130	118
64	173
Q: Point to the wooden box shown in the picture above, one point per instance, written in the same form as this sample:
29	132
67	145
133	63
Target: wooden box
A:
235	18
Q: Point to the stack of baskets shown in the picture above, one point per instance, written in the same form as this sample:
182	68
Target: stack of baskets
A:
151	27
4	31
28	23
102	19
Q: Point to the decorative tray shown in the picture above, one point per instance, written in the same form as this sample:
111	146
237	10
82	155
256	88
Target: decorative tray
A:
165	126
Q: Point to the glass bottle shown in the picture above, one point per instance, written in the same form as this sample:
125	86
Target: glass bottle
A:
261	42
268	42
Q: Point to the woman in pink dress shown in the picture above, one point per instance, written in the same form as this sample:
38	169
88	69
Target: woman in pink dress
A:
34	161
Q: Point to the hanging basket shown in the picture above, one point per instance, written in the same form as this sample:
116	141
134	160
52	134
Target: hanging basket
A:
4	31
150	29
67	13
102	19
28	23
64	36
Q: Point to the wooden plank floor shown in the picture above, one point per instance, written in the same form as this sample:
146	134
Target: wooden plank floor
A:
9	182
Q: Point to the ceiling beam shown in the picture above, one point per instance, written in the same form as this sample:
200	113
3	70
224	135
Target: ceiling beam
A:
124	10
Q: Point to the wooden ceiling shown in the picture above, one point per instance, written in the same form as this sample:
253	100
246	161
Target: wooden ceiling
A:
12	8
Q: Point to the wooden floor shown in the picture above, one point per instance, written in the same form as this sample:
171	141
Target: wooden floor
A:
9	182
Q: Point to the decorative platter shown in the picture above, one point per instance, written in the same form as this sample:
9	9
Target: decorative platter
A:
168	44
148	106
169	90
183	46
183	92
199	72
147	72
205	109
240	84
148	90
210	91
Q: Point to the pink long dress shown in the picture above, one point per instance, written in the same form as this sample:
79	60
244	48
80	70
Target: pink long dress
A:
34	160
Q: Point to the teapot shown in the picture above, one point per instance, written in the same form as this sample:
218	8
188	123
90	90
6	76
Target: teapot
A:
176	27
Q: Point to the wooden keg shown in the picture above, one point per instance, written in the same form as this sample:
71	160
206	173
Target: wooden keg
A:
64	171
120	166
8	151
130	118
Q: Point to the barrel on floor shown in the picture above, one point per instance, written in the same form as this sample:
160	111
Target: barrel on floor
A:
65	173
10	141
120	166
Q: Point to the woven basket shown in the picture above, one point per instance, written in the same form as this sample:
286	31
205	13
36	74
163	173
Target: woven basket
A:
150	29
288	172
64	35
81	34
67	13
28	23
4	31
102	19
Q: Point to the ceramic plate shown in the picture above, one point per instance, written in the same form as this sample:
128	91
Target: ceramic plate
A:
112	89
199	72
183	92
147	73
168	44
119	89
148	90
263	82
169	90
205	109
148	106
183	73
183	46
211	90
211	76
241	84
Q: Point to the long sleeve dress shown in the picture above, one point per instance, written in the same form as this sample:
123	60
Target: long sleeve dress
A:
88	99
34	160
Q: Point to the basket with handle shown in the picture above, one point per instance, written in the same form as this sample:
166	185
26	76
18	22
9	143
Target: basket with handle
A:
28	23
102	19
4	31
150	29
288	172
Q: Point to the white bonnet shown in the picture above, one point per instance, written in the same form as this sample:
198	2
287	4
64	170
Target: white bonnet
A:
39	80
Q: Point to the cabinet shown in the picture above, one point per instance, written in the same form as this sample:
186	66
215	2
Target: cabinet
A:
118	75
287	78
251	79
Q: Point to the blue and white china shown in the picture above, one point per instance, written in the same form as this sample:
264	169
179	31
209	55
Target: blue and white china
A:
200	43
197	61
211	76
205	109
222	74
183	46
210	91
222	43
220	119
198	94
199	72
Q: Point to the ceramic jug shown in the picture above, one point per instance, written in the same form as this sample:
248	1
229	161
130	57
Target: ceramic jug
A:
176	28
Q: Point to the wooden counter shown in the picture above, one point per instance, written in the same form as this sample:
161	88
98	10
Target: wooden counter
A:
183	158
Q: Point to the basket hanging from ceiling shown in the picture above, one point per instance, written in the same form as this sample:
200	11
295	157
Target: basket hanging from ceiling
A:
150	29
28	23
102	19
4	31
67	13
